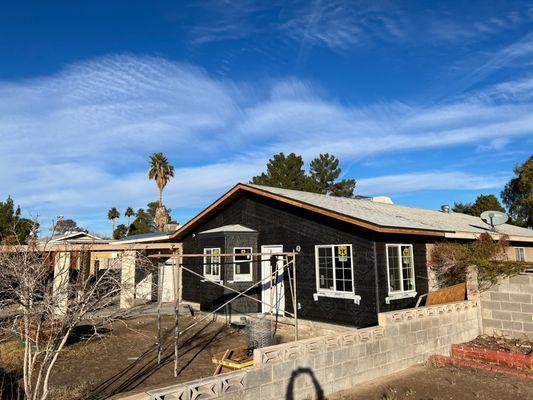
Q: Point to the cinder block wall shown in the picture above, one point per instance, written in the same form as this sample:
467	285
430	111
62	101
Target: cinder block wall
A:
507	308
317	367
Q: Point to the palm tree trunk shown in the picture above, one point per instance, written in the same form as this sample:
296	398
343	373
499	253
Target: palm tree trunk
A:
160	197
113	225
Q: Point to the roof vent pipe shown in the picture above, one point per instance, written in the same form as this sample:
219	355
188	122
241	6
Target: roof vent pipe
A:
445	208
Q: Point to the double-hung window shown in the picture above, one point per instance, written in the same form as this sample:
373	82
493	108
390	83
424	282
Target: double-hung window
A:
212	263
242	264
334	265
520	254
400	269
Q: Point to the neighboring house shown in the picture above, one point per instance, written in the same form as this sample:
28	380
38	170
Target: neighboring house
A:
86	243
357	257
76	237
146	282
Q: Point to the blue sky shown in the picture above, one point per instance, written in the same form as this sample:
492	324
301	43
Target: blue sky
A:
428	103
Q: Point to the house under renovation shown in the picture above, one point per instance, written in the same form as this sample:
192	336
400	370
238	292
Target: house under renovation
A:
356	257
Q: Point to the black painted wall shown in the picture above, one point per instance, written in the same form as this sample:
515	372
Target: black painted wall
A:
290	226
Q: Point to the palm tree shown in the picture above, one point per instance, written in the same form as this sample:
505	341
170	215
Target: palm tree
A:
113	214
161	171
129	213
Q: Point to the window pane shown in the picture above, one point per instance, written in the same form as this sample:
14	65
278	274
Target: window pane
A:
408	268
520	254
394	269
325	268
343	268
243	265
211	262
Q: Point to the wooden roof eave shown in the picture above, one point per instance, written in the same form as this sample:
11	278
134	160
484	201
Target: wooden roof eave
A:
221	201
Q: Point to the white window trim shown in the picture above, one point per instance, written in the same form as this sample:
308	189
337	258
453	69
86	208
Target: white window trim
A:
321	292
242	277
400	294
523	251
211	276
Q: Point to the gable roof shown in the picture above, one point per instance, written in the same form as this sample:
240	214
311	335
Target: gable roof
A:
379	217
76	237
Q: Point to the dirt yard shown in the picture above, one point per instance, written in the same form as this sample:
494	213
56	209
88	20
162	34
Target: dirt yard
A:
441	383
124	357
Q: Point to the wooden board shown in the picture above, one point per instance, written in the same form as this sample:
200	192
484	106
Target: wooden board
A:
447	295
234	358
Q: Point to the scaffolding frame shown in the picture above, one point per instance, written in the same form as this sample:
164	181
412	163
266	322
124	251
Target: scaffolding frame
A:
289	264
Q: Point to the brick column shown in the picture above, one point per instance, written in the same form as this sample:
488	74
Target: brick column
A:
61	282
127	291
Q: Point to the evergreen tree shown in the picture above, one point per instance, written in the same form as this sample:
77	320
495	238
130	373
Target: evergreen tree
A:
141	224
518	194
483	203
325	171
14	228
285	172
463	208
63	226
486	203
120	231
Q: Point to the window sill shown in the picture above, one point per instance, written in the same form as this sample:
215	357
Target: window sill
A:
241	280
399	296
213	279
338	295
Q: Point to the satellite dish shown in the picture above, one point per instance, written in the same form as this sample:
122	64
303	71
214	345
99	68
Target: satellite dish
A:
494	218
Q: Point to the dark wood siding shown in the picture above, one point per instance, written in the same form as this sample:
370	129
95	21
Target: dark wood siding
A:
278	223
420	266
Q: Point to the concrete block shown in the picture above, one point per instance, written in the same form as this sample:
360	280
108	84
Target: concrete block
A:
387	344
260	376
324	360
512	325
511	307
372	348
499	296
341	355
527	308
520	298
416	326
502	315
528	327
492	323
350	368
524	317
282	370
252	394
404	329
392	331
381	359
519	279
421	337
359	350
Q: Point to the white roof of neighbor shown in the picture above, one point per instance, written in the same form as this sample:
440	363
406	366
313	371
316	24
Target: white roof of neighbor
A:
230	228
393	215
77	237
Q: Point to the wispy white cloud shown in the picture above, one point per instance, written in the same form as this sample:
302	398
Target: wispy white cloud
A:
433	180
76	143
341	25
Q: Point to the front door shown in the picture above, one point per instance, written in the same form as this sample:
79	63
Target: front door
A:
276	294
